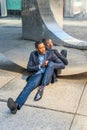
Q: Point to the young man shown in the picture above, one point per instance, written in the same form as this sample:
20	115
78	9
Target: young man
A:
49	46
62	55
42	63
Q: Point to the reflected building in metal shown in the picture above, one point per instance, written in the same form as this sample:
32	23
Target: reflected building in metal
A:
70	7
73	7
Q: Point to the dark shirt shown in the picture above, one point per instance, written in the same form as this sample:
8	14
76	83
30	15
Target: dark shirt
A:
60	56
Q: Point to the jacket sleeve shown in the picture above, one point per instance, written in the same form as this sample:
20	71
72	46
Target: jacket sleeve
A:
32	66
65	61
58	62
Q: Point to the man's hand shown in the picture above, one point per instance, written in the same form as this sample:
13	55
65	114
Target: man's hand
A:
45	63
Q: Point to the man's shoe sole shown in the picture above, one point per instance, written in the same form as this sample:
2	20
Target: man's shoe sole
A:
36	98
12	106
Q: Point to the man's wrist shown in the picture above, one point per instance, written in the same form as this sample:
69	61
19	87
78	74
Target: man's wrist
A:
39	66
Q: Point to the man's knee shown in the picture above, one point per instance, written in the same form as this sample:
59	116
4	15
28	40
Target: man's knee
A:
51	64
62	66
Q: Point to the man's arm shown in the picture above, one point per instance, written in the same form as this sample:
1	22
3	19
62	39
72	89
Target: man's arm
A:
65	61
32	65
58	62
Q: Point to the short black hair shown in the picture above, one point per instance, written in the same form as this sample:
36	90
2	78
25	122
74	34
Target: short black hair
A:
45	39
38	43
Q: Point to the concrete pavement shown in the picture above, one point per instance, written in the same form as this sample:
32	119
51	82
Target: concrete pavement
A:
64	104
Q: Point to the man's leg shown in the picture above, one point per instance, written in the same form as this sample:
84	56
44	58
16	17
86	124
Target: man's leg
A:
47	77
32	83
64	59
50	70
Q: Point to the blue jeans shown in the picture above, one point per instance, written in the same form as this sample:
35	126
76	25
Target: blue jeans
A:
36	80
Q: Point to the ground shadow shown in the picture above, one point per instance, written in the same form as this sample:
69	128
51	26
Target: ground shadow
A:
75	76
10	66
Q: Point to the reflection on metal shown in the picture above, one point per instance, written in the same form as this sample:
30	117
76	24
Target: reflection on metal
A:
18	50
84	7
42	22
72	7
3	8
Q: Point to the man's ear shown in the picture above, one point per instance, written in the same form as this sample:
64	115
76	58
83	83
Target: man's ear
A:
36	49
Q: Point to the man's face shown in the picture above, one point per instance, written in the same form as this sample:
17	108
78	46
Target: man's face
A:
41	48
49	43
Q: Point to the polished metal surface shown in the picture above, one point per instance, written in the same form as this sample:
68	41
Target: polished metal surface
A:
43	19
18	50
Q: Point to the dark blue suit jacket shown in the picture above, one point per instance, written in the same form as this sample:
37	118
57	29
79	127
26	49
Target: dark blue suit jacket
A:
33	63
59	55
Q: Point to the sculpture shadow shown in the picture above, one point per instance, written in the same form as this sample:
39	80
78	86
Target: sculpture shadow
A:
10	66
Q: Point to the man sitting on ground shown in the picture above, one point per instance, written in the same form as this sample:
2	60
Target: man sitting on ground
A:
62	55
49	46
42	63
